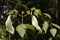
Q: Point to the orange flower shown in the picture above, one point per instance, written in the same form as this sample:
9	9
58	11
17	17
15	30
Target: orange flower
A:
28	11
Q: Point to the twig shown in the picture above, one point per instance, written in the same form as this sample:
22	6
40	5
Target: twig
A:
9	36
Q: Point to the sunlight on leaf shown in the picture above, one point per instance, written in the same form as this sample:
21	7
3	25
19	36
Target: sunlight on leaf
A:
45	26
55	25
53	32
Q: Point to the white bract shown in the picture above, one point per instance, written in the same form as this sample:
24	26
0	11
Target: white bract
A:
9	26
35	23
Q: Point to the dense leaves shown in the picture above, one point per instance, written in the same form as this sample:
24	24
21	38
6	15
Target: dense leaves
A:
21	29
2	32
41	20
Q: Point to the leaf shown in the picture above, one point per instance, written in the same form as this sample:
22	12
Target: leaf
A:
45	26
55	25
9	26
33	8
37	12
23	25
12	12
19	1
35	23
0	39
47	15
53	32
21	30
50	38
30	27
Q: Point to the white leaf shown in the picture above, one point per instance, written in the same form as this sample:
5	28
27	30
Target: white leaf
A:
53	32
45	26
55	25
35	23
9	26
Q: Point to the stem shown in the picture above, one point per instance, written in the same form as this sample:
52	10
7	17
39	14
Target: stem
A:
9	37
22	17
57	9
5	31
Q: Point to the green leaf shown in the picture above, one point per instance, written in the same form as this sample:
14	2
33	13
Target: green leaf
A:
37	12
55	25
50	38
33	8
47	15
12	12
30	27
0	39
19	1
45	26
23	25
21	30
53	32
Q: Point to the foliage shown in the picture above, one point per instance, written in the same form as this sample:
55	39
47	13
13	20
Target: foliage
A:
22	28
2	33
20	9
